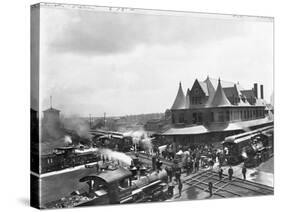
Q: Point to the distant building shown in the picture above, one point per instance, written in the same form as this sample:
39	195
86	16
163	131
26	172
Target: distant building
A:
51	117
213	109
154	125
51	123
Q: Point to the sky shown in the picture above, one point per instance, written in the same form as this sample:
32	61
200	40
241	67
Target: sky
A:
94	61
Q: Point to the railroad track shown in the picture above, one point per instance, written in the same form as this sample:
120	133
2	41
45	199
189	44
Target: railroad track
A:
225	188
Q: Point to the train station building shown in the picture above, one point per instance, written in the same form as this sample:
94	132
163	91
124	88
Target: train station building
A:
213	109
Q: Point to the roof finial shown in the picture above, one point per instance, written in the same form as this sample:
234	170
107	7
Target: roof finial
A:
50	101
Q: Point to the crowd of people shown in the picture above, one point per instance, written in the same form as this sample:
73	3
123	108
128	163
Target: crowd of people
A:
194	156
191	159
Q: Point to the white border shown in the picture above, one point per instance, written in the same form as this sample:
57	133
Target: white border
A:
14	177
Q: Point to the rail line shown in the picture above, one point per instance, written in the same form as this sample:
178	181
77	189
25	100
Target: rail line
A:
226	188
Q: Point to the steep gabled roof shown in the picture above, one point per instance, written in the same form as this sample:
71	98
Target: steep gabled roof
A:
180	101
225	84
243	102
220	100
187	100
204	87
248	93
231	91
210	86
211	91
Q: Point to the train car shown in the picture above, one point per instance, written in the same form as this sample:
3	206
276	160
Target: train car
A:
247	146
66	157
112	140
261	149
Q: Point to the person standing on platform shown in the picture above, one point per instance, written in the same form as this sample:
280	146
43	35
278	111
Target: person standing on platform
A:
178	175
230	173
180	188
196	165
169	173
220	173
210	188
244	171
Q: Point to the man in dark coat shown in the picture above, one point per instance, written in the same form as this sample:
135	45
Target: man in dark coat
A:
220	173
244	171
178	175
196	165
210	188
180	188
230	173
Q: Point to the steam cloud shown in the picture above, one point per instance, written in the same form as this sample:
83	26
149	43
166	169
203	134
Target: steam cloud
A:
81	127
141	138
67	140
113	155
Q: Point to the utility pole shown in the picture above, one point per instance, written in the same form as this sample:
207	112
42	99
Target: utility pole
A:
90	121
104	121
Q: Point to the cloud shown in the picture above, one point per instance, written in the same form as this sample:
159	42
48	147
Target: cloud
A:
102	33
95	62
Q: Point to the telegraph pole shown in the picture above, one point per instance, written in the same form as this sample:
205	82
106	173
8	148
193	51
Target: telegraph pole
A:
90	121
104	121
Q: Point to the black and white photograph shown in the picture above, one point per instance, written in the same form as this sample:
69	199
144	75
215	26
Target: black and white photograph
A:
141	105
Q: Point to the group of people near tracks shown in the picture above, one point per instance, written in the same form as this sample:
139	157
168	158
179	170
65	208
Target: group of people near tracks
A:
193	159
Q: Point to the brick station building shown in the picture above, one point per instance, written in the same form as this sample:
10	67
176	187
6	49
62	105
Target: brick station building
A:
213	109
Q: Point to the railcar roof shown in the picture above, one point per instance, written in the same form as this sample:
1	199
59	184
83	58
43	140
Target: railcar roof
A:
109	176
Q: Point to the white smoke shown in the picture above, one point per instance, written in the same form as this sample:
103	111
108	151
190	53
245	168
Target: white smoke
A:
67	140
116	156
244	154
80	126
141	138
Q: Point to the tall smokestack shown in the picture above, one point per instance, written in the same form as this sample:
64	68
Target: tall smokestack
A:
256	89
261	91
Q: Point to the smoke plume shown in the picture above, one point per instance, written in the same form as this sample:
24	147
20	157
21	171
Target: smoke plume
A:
141	138
80	126
67	140
116	156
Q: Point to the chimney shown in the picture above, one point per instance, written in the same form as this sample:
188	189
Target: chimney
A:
256	89
261	91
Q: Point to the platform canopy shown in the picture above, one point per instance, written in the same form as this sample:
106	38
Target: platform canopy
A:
201	129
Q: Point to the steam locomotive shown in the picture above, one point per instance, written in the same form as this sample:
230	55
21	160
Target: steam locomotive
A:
252	147
117	186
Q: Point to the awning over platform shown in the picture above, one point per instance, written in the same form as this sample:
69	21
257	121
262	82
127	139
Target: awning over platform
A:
217	127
